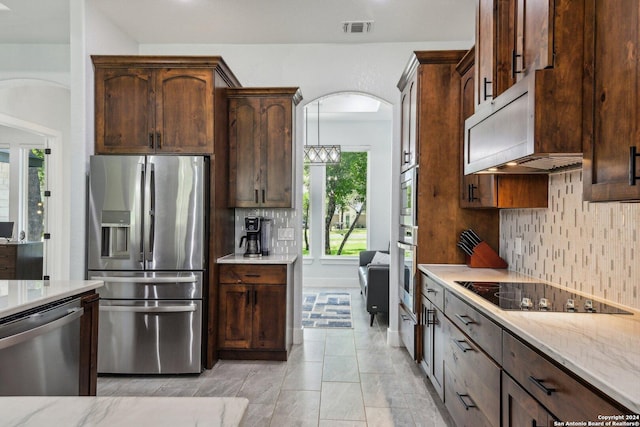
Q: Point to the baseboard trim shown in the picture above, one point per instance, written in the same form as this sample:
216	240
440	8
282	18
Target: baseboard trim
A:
393	338
298	336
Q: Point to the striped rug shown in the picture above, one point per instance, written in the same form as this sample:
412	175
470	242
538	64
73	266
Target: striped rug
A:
326	310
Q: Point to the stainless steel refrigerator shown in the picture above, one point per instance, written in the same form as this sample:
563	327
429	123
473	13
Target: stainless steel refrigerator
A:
147	241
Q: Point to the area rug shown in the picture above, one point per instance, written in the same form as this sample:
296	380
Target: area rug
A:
326	310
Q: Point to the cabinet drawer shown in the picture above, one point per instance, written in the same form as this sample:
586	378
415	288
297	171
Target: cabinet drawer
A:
481	330
7	252
434	291
477	376
564	396
253	273
461	406
408	331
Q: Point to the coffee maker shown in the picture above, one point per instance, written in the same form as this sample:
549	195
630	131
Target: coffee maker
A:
253	227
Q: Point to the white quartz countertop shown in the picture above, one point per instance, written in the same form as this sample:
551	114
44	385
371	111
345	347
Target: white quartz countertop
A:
122	411
269	259
20	295
604	349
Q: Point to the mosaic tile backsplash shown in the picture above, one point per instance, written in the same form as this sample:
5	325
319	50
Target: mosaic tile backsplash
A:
589	247
282	218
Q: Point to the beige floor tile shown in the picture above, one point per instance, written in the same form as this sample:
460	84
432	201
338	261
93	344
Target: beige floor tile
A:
303	376
341	401
340	368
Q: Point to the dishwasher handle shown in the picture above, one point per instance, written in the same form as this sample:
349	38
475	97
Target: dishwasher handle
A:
72	314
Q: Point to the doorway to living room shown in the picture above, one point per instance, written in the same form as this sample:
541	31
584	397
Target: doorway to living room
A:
346	204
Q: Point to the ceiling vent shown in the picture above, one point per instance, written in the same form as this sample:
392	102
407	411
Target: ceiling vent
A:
357	27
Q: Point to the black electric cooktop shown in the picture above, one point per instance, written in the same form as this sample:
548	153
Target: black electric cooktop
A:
540	297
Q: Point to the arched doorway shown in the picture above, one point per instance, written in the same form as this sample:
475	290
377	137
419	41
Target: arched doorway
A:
346	206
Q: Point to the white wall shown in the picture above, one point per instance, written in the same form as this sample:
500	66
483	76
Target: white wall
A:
91	33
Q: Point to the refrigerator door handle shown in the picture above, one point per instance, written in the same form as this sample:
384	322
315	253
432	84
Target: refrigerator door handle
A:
141	241
122	279
152	211
152	309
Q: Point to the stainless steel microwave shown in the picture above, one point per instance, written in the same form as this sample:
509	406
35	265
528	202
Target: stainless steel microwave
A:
408	206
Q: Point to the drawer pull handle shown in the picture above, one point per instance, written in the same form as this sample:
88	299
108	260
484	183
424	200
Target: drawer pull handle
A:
465	319
538	383
405	317
431	291
466	347
251	275
466	405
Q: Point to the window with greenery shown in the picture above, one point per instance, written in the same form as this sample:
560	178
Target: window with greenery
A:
345	224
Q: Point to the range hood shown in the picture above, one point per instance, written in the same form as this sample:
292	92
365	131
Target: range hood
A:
535	126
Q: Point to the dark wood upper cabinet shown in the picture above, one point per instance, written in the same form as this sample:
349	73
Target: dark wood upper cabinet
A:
157	104
261	129
408	100
485	51
524	35
612	106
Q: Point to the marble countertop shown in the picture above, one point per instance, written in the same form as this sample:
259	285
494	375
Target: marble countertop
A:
269	259
21	295
122	411
601	348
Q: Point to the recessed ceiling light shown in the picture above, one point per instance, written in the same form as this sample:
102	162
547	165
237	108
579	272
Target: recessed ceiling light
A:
4	7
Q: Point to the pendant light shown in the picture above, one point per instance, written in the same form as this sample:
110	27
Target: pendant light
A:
319	154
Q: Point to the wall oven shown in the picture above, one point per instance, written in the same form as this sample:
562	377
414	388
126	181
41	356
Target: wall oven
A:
408	206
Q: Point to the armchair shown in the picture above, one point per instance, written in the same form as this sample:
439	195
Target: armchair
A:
373	273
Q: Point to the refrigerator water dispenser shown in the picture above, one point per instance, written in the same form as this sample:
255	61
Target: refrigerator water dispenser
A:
115	234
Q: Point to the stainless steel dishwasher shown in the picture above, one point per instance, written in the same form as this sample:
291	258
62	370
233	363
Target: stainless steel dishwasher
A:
40	351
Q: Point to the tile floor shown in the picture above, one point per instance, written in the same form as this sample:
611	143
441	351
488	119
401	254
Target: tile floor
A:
337	377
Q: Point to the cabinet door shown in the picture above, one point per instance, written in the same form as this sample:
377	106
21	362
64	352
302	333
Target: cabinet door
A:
485	53
519	408
269	316
612	105
124	111
437	365
404	131
276	153
524	39
184	111
244	152
234	327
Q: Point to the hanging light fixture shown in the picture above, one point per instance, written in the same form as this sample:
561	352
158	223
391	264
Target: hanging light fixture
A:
319	154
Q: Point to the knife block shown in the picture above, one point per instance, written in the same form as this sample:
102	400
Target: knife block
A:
485	257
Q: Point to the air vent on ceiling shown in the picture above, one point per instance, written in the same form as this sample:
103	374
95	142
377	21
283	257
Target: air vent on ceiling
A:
357	27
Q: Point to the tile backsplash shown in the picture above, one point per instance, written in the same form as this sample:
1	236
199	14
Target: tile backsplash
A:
282	218
590	247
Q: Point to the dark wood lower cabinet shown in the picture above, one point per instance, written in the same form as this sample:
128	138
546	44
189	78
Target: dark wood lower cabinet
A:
89	344
519	408
252	312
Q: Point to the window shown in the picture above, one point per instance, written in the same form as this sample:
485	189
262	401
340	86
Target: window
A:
345	225
336	193
22	184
